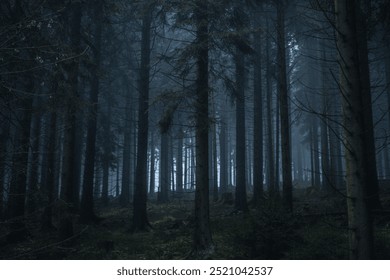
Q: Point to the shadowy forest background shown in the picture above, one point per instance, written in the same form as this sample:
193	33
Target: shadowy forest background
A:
163	129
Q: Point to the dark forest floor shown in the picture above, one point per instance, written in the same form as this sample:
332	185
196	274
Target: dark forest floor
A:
316	230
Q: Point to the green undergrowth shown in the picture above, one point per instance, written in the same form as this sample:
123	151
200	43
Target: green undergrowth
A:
262	233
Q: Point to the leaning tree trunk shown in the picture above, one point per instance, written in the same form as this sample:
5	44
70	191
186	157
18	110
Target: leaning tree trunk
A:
359	218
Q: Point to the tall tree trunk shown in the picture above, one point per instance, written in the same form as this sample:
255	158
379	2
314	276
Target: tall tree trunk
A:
127	155
316	152
185	163
193	164
140	218
353	101
34	160
47	218
87	214
277	147
387	71
215	164
258	119
171	165
300	156
4	135
223	152
326	176
164	170
202	241
17	191
270	130
106	155
179	162
284	109
69	180
152	181
241	199
362	11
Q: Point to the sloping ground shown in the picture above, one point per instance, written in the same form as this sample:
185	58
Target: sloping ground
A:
317	230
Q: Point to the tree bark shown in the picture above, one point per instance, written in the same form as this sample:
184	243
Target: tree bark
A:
270	130
353	101
241	199
179	162
87	214
164	170
284	110
258	119
68	176
223	152
127	155
202	241
17	191
140	218
47	218
152	181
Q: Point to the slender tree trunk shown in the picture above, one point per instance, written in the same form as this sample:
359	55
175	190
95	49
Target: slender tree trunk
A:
4	135
140	218
69	180
215	164
270	131
185	163
284	110
152	181
117	189
171	152
277	147
241	199
179	162
223	151
127	155
387	70
299	163
210	144
258	120
193	164
316	153
324	129
87	214
47	218
106	155
164	170
34	160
